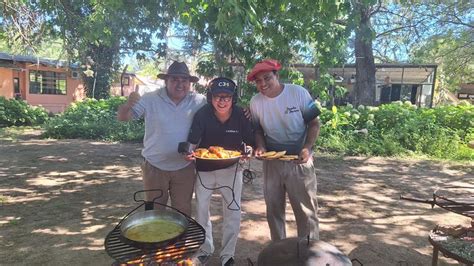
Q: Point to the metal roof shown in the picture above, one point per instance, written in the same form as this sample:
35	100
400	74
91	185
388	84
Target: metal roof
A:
37	60
8	64
401	74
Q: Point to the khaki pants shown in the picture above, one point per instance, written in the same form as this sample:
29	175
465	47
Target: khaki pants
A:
231	208
299	181
177	185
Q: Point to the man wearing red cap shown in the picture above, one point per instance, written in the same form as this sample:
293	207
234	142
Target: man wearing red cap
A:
286	119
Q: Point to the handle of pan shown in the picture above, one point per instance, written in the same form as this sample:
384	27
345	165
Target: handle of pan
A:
149	205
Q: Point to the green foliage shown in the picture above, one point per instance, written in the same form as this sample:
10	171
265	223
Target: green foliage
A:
93	33
247	91
208	68
397	129
15	133
389	130
19	113
454	53
94	119
248	31
446	38
147	67
50	48
288	75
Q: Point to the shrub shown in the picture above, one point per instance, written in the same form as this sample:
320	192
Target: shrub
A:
19	113
94	119
397	129
388	130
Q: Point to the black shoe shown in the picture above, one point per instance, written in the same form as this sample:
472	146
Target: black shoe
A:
203	259
230	262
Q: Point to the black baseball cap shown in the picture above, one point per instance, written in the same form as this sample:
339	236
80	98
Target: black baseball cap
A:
222	85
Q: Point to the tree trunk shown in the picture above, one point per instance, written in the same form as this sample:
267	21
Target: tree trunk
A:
364	89
105	67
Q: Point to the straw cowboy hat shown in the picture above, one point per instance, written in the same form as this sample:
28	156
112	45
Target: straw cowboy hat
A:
178	69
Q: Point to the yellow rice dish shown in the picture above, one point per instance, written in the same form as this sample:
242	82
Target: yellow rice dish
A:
154	231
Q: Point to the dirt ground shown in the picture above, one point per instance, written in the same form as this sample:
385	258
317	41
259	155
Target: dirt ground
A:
60	198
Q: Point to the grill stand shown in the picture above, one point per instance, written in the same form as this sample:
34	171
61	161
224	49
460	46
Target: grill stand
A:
461	205
182	249
439	244
171	254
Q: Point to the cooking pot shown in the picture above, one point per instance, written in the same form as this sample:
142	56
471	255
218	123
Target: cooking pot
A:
168	225
301	251
208	164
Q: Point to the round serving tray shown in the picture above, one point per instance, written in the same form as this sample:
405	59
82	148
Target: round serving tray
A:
210	164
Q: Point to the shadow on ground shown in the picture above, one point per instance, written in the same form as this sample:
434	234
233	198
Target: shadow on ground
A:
60	198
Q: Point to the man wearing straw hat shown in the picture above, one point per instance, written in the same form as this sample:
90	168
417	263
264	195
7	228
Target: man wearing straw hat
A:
168	114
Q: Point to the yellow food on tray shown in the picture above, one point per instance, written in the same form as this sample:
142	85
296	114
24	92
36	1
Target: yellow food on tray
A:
288	157
280	155
268	153
215	152
276	155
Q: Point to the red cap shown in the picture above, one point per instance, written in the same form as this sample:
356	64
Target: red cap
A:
265	65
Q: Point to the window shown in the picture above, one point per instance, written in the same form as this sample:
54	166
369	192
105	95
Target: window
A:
406	93
47	82
126	81
75	75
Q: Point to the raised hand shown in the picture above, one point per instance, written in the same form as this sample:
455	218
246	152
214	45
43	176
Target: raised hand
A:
125	110
133	99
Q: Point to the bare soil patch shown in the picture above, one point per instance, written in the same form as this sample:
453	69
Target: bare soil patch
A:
60	198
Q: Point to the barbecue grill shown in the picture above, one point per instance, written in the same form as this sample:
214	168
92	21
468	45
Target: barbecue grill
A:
171	253
459	246
301	251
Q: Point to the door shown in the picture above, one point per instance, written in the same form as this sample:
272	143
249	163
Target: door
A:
16	88
385	94
395	93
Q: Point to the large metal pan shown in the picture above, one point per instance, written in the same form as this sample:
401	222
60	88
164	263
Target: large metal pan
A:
207	164
166	224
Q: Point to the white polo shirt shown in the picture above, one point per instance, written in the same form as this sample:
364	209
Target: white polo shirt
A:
166	125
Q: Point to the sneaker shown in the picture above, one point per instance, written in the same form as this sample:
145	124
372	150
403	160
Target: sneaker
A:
201	259
230	262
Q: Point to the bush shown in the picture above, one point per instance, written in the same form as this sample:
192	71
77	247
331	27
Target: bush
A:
19	113
94	119
398	129
388	130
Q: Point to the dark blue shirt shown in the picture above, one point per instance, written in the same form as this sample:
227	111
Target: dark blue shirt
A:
207	130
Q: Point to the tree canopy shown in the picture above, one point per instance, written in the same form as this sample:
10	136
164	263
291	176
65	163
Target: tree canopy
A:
94	33
439	32
324	33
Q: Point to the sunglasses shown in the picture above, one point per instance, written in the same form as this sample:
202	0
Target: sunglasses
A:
222	98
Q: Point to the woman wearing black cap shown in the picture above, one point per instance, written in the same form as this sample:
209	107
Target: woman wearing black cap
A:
220	123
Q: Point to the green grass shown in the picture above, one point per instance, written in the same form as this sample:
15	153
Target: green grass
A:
3	199
14	133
